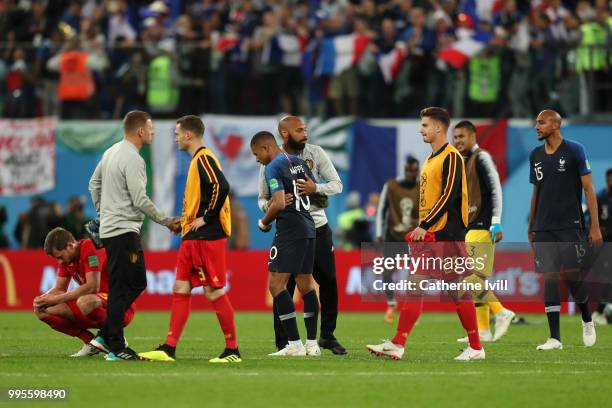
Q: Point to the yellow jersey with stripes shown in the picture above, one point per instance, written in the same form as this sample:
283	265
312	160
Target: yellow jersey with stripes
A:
443	199
206	195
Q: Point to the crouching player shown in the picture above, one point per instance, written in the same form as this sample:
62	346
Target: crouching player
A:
73	312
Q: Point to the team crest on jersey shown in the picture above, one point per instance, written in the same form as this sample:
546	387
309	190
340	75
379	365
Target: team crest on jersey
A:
309	163
133	257
561	164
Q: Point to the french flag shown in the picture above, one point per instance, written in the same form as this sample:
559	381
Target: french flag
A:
379	150
284	49
340	53
482	9
391	62
460	52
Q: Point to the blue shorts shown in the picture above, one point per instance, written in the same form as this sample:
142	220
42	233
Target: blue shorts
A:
561	249
295	257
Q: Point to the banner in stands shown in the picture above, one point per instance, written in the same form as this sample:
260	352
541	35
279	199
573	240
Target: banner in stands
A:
26	274
27	156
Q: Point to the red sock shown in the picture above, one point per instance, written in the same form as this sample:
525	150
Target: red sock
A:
181	303
92	320
225	314
63	325
408	316
467	314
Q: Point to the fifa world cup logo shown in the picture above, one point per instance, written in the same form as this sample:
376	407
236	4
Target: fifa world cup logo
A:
9	279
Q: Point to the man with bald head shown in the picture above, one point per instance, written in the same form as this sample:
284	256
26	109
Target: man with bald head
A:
559	171
294	135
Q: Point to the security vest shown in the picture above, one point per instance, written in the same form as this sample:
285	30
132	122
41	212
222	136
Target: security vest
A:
591	53
402	209
75	80
474	193
162	94
432	197
485	79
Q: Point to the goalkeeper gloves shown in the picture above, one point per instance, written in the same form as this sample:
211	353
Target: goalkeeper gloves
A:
495	228
93	229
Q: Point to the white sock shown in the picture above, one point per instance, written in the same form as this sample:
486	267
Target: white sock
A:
310	343
295	343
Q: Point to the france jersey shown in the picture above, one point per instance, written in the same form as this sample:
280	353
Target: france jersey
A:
559	188
295	221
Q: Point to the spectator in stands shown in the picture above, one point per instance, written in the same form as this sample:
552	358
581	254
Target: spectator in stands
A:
19	101
42	217
344	86
163	80
266	64
48	79
193	64
545	50
76	85
74	219
118	24
420	42
222	49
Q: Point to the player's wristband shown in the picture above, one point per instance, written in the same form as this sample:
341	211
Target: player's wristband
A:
263	227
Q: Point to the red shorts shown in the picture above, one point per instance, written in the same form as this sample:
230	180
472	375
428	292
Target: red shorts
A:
202	262
440	252
127	317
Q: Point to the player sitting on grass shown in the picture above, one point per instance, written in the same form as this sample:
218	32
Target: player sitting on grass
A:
74	312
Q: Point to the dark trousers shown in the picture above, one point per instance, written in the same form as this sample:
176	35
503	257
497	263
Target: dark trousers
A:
127	279
324	274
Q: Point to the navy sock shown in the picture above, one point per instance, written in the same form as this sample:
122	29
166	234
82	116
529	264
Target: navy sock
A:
584	311
311	314
286	314
552	313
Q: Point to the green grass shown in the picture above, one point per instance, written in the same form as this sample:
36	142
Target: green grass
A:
514	373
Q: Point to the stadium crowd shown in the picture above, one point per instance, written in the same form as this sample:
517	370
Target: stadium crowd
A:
260	57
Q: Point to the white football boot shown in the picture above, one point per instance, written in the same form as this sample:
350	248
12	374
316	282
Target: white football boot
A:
471	354
551	344
386	348
86	351
291	350
588	334
502	323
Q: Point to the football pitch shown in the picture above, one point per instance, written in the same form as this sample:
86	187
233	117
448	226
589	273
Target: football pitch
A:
514	373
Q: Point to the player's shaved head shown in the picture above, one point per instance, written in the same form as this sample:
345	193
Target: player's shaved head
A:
548	123
293	131
549	114
288	123
263	138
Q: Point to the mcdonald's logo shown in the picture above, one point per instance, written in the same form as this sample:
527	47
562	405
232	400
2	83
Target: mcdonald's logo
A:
9	279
